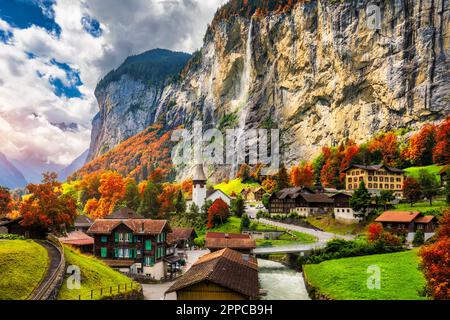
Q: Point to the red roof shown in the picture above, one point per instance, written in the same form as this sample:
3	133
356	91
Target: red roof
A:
138	226
397	216
216	240
426	219
77	238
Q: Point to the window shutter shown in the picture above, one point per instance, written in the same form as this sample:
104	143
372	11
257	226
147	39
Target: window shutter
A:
116	252
116	237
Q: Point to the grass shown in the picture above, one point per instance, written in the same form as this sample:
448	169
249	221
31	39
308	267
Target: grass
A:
233	225
421	206
23	264
94	275
414	171
346	279
328	224
235	186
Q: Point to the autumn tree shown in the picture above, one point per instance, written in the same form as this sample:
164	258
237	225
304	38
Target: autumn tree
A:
441	152
374	232
132	197
360	200
349	154
412	190
244	172
47	208
269	185
149	206
435	260
421	146
167	199
218	213
302	175
386	146
5	201
330	173
428	184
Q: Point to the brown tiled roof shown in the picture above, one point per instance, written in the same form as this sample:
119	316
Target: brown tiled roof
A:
426	219
316	198
226	268
82	221
374	168
179	234
124	213
233	241
77	238
119	263
138	226
397	216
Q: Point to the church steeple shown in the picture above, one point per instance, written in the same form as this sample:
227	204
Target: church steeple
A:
199	186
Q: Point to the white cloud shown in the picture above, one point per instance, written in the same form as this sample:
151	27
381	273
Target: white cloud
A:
28	104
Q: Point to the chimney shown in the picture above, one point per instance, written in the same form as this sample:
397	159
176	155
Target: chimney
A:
142	227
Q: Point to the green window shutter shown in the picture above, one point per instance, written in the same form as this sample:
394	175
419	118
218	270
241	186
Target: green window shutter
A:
152	261
104	252
116	252
130	238
148	244
116	237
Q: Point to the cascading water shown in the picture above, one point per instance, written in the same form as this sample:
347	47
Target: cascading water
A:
241	105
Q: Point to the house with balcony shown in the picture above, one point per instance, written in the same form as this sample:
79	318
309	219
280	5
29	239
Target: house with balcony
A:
132	244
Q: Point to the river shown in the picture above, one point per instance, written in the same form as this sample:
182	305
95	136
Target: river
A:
281	282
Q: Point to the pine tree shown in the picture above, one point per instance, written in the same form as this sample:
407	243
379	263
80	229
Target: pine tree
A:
149	204
238	206
360	201
132	199
180	203
282	178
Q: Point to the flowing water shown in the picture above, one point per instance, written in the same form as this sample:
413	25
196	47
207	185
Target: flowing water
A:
281	282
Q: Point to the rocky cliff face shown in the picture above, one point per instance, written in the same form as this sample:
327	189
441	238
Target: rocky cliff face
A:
317	72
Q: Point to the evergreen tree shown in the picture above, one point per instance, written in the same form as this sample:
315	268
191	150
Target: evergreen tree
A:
180	203
282	178
245	223
385	197
428	184
360	201
238	206
149	204
132	198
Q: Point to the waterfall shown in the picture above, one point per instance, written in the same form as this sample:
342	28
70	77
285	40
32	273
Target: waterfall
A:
241	104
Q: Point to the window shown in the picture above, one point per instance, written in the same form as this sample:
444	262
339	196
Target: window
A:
370	178
138	253
149	261
360	178
392	186
104	239
370	185
392	179
375	179
148	244
381	179
386	186
388	226
375	185
126	253
104	252
399	187
120	237
120	253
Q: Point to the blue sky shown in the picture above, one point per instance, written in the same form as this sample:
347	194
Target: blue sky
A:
53	53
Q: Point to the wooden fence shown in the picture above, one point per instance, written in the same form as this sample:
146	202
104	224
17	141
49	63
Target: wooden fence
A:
109	291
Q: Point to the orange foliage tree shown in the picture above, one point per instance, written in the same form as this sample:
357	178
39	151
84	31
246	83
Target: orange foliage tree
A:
269	185
386	144
436	261
441	152
112	190
302	175
167	198
374	232
47	207
421	145
217	213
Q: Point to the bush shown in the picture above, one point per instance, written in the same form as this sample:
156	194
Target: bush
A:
199	242
11	237
419	238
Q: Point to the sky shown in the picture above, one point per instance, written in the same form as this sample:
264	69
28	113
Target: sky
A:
54	52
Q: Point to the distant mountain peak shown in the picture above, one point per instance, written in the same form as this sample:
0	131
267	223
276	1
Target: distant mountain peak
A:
10	176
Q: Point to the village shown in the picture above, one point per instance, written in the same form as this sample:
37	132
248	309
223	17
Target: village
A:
168	262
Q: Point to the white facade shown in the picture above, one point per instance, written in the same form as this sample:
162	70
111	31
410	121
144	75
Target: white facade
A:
199	194
157	271
220	195
346	215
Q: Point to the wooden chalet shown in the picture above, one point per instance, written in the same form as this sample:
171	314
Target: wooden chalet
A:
443	174
243	243
407	223
133	245
298	200
182	238
82	223
221	275
253	194
14	226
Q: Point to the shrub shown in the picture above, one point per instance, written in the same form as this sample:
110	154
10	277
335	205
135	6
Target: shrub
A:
199	242
11	237
419	238
245	223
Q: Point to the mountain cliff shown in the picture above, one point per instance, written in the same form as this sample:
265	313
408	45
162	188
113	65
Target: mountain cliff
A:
314	69
10	177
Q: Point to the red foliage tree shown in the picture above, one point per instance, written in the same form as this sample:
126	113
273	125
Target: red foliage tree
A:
374	232
411	190
385	144
46	207
217	213
167	198
441	152
350	152
436	261
5	201
421	145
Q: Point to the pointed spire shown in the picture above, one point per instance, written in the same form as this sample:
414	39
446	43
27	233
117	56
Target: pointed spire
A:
199	174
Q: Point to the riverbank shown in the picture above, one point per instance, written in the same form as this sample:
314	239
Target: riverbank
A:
392	276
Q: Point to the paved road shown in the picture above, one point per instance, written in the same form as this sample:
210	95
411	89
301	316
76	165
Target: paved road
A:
321	235
157	291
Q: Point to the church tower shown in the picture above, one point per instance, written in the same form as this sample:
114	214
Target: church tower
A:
199	186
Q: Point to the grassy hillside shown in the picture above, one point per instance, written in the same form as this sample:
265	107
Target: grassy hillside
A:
423	206
94	275
23	264
235	186
346	279
414	171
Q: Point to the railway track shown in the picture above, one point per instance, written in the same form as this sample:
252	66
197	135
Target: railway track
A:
49	286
